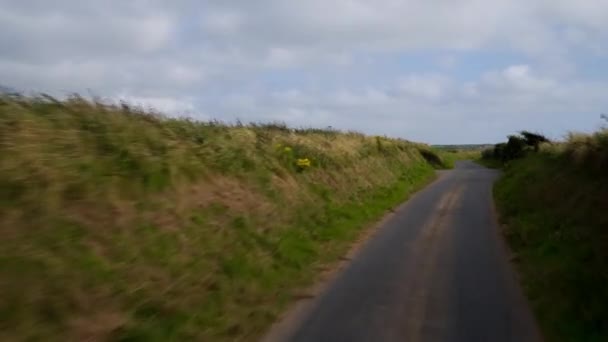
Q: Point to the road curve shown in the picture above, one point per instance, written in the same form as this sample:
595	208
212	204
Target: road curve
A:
436	271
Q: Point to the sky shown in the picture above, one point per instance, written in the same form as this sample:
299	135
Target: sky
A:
435	71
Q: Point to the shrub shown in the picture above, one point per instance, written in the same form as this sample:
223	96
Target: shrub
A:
516	146
533	139
488	153
432	158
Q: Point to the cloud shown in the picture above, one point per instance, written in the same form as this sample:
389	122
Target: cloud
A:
178	106
427	87
518	78
435	70
58	35
438	108
447	61
221	22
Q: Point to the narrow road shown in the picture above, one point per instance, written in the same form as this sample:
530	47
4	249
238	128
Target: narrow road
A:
436	271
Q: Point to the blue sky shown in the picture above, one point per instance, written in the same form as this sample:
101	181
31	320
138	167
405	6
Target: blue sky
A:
437	71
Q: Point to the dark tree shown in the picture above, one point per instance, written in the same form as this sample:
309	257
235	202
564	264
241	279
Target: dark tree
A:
515	148
499	151
533	139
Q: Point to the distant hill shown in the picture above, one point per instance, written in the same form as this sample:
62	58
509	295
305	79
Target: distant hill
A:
7	90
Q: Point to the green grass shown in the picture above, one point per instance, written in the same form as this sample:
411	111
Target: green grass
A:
490	163
120	224
451	156
554	205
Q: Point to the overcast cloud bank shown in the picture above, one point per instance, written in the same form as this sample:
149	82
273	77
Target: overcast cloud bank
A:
438	71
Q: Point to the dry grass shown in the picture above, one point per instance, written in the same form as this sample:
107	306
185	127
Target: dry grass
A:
590	151
119	224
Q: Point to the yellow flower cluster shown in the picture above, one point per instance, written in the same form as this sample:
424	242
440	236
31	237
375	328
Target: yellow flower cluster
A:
288	155
303	163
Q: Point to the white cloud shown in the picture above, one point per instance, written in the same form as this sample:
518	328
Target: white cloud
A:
184	74
519	78
168	105
150	33
61	34
280	57
318	62
447	61
487	109
366	98
221	22
429	87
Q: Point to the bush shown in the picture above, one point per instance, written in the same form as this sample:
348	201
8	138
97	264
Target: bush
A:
488	153
533	139
516	147
552	203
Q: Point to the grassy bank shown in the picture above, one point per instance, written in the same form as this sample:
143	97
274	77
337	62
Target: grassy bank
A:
489	163
450	156
118	224
554	203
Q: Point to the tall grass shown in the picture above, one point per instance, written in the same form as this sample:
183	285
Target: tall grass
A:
554	203
588	151
118	223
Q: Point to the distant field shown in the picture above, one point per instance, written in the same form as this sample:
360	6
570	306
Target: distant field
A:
463	147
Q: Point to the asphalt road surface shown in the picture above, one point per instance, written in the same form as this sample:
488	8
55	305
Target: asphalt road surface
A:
438	270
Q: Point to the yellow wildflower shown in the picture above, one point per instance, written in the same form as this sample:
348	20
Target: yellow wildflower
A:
303	162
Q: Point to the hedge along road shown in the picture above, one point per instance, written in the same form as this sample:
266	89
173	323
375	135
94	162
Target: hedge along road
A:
437	270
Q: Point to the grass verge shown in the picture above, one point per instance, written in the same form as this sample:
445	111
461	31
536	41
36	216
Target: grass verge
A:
553	208
490	163
120	224
451	156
